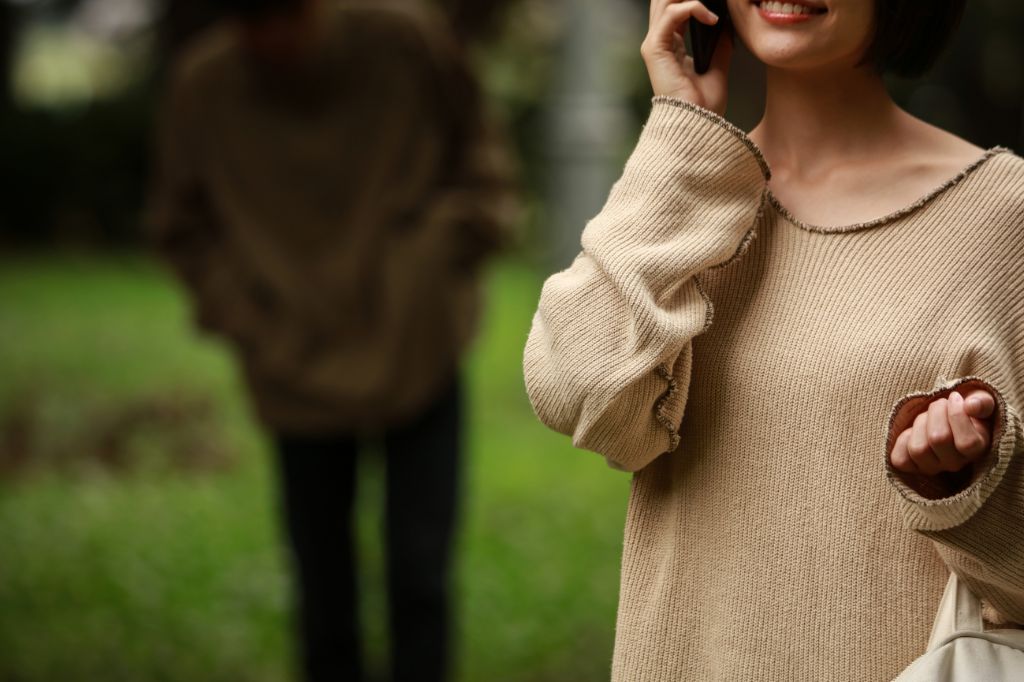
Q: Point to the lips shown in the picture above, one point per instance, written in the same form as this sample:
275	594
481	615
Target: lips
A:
788	13
789	8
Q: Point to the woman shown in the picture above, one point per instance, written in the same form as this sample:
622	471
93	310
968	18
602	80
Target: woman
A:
807	343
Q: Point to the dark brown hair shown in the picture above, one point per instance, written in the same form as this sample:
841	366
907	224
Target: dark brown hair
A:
911	34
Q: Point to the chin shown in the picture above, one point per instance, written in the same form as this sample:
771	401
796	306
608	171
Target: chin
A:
791	56
779	50
802	58
803	35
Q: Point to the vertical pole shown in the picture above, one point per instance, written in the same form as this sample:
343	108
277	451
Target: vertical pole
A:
588	121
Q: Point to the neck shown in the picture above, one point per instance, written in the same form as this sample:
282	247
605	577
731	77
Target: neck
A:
813	119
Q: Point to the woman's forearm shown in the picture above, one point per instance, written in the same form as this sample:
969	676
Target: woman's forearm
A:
608	356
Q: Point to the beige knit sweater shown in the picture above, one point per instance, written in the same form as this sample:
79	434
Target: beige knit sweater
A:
749	368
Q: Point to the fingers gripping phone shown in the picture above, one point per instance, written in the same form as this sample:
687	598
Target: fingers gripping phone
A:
704	38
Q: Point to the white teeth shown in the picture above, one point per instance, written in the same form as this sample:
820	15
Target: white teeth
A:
777	7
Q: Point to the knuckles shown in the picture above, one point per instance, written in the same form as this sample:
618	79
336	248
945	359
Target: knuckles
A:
940	438
974	449
900	461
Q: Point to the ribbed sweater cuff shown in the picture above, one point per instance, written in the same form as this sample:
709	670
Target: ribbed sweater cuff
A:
682	124
688	199
921	513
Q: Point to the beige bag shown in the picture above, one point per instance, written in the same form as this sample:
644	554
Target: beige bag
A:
960	650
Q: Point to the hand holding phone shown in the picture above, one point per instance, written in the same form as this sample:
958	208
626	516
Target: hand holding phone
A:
672	71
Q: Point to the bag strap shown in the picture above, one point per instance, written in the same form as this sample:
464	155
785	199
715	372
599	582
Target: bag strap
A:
959	611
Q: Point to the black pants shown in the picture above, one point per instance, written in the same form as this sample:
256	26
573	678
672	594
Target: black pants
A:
318	477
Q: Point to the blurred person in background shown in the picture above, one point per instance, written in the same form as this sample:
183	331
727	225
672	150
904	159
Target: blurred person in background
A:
327	190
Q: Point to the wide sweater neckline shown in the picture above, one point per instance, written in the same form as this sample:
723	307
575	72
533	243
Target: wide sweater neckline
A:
898	213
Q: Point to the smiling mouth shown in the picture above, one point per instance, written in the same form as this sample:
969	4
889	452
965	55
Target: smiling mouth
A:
796	9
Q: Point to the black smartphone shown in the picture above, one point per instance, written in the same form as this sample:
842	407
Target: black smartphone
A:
704	38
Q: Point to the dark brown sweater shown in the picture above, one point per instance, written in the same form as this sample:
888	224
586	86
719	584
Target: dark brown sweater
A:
330	222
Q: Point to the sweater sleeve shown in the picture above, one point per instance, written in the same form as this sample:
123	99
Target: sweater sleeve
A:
978	531
608	356
477	196
183	226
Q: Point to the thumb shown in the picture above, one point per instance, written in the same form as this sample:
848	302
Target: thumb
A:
979	403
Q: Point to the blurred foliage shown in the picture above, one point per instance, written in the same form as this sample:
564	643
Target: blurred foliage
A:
75	177
60	67
515	68
179	575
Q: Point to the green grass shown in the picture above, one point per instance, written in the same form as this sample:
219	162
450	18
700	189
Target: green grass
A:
160	573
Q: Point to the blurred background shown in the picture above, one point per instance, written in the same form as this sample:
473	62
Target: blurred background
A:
138	530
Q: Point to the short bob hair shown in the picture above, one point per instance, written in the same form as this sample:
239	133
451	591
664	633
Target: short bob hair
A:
910	35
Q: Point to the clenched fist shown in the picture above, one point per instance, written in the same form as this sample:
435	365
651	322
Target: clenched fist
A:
950	434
